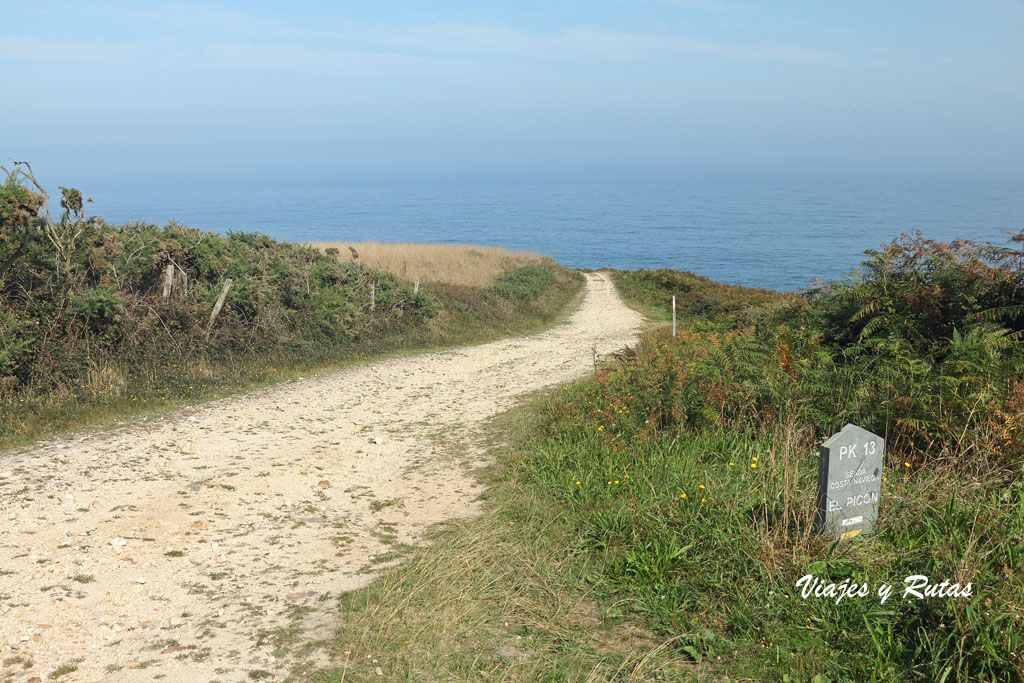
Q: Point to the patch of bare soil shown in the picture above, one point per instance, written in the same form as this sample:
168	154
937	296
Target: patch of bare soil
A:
212	544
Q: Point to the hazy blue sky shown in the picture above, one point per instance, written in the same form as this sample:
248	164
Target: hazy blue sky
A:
128	91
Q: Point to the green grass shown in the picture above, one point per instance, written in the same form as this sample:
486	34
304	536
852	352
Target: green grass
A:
524	284
707	534
64	669
697	297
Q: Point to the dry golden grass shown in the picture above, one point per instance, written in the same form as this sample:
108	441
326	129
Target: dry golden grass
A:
460	264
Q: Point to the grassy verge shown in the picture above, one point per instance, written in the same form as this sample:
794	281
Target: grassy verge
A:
703	536
698	299
508	596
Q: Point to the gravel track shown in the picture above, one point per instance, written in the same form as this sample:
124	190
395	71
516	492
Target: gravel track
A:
194	547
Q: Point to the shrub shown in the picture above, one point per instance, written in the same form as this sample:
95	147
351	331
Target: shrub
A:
522	284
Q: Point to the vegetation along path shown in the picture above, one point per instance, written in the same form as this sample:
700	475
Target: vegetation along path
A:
185	547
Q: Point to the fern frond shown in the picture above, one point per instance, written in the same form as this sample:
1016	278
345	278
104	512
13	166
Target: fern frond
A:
873	326
1000	313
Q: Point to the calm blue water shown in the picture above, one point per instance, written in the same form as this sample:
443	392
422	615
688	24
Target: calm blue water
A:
778	236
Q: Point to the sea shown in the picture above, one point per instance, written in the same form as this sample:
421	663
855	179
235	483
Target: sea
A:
776	235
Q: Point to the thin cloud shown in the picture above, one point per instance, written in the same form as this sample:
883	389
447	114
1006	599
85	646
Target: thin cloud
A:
228	56
712	5
627	44
436	49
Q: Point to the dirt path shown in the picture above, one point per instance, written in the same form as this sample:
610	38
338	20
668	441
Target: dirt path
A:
212	544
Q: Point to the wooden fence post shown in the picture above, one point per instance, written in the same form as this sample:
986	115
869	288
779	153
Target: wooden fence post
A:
219	305
416	287
373	295
168	279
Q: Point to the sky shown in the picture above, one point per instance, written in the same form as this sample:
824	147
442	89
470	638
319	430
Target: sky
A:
128	92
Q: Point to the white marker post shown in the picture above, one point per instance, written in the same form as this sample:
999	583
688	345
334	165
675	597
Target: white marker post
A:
673	317
849	482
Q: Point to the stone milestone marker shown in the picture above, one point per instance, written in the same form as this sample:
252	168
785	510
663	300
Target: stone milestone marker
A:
849	482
